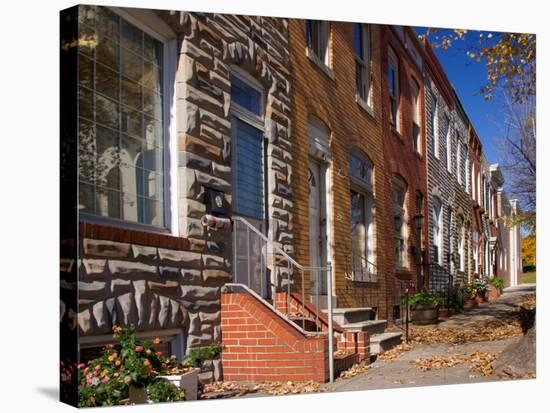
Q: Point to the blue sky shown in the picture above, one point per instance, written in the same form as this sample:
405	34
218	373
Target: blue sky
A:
468	76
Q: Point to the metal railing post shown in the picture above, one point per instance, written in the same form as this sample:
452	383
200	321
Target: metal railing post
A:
248	255
330	327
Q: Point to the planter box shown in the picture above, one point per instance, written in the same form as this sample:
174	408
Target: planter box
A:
425	314
470	303
187	381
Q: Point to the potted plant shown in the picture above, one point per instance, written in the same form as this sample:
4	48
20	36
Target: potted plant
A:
469	292
481	286
129	373
495	287
424	307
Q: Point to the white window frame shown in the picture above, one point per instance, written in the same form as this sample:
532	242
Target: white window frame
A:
466	171
363	63
461	248
177	335
154	26
416	115
393	61
435	125
438	228
325	28
458	162
244	115
448	142
402	234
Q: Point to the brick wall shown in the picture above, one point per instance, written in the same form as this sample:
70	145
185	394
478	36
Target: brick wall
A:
260	345
400	157
332	100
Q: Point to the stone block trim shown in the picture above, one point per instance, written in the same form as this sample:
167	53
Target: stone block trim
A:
259	345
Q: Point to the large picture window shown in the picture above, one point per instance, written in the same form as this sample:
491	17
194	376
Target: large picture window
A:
120	124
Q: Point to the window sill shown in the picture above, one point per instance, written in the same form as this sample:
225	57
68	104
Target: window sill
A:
364	105
321	65
418	155
396	133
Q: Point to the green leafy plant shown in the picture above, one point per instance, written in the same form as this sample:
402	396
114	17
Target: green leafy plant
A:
498	283
468	290
423	298
161	390
481	285
453	299
105	381
197	356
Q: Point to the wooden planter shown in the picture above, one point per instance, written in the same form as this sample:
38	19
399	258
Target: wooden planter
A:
425	314
187	381
470	303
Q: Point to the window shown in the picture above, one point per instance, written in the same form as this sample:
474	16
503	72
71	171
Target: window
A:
317	40
476	250
461	243
415	92
393	88
448	228
466	169
361	43
399	222
437	232
362	219
435	132
247	146
447	133
121	126
458	162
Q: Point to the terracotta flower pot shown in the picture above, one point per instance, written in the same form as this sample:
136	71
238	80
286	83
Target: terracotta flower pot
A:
480	298
492	293
425	314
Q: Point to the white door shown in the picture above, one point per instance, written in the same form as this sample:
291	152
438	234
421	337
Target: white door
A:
317	225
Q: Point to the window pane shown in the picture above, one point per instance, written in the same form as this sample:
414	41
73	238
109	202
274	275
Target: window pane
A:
85	71
85	198
152	49
115	140
132	122
152	77
245	95
107	52
358	39
107	111
131	94
107	23
86	103
87	44
107	81
86	136
152	103
153	132
131	38
132	65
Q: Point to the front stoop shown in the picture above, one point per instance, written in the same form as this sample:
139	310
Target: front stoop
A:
380	343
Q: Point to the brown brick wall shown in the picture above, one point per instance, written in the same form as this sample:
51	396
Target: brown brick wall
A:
399	154
333	101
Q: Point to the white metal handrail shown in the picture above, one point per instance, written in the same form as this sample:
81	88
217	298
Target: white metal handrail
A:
269	251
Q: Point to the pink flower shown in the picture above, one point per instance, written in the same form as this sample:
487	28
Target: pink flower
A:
105	379
138	349
81	365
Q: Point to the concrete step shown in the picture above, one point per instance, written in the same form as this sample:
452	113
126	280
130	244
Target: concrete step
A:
352	315
372	326
380	343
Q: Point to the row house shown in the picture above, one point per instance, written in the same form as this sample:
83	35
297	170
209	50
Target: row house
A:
236	175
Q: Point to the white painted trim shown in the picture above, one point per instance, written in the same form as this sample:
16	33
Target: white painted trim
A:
147	21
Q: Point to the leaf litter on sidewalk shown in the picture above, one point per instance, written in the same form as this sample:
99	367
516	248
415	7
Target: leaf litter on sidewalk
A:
222	389
479	361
